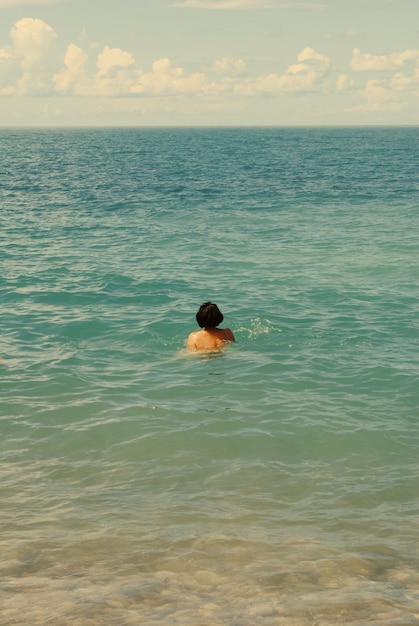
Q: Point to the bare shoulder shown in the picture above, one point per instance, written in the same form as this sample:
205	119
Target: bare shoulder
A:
191	341
209	339
228	335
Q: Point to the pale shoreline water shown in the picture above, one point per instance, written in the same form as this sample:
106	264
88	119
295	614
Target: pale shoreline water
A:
274	486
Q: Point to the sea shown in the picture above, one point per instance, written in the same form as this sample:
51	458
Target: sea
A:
275	483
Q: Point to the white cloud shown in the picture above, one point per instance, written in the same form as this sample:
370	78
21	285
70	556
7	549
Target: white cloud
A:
380	94
310	55
113	59
363	62
229	67
343	82
118	75
34	49
167	79
401	81
379	98
299	77
304	75
73	75
34	64
8	71
32	41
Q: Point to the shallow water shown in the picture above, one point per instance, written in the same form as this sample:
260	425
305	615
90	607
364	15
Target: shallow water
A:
276	484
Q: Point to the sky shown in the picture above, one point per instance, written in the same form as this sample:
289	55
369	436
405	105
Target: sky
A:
209	62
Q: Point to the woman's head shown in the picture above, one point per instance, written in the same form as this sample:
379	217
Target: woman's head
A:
209	315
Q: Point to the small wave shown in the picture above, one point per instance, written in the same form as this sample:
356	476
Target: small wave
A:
257	328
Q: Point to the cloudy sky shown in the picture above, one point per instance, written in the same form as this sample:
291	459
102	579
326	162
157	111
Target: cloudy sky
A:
208	62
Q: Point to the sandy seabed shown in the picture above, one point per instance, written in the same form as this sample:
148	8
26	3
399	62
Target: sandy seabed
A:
245	587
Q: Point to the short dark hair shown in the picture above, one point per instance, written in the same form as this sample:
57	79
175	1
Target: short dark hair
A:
209	315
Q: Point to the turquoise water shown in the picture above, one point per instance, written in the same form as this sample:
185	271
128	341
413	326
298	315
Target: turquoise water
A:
276	484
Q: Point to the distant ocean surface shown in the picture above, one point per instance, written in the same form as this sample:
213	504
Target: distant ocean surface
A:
274	485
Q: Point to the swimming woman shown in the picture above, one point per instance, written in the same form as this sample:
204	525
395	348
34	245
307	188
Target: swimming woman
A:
210	337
